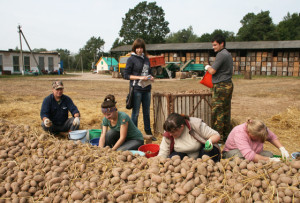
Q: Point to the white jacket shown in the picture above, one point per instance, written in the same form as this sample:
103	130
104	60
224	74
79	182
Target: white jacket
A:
186	143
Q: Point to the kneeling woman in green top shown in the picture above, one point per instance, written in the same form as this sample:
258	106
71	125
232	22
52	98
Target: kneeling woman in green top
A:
123	134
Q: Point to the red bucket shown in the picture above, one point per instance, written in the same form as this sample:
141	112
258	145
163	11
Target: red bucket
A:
150	150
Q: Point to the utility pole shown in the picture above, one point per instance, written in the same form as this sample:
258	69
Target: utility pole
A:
81	63
21	51
21	33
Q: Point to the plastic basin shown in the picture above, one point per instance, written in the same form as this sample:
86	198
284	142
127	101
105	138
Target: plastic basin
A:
95	133
78	135
137	152
95	141
150	150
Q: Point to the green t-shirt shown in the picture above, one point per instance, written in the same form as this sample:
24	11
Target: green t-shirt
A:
133	133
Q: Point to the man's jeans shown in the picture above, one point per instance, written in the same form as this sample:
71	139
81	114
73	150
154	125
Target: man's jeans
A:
145	99
66	127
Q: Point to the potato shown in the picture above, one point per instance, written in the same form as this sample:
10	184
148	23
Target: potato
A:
274	176
238	187
77	195
156	178
189	186
286	180
196	191
243	165
180	191
287	199
124	197
15	187
295	164
176	162
201	199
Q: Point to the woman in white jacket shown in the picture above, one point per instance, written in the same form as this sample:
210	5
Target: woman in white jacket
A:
188	136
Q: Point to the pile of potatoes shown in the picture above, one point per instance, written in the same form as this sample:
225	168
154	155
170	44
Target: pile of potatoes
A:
38	167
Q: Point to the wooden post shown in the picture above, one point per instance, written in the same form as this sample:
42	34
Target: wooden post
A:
248	75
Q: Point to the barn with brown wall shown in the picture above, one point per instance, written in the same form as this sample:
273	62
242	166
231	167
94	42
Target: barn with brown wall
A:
279	58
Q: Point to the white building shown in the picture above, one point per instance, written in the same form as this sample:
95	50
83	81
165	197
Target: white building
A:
11	63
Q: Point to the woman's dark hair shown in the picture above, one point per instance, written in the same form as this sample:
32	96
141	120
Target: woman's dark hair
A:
219	38
109	101
139	43
174	121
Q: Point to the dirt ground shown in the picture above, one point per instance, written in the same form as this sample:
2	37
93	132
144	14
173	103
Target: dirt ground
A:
274	100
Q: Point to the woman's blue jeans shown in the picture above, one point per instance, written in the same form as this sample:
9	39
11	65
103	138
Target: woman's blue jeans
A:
145	99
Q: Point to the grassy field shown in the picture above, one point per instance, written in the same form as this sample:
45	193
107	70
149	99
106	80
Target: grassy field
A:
275	100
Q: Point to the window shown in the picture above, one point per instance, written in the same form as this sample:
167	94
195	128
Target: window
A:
50	64
41	63
27	63
1	63
16	64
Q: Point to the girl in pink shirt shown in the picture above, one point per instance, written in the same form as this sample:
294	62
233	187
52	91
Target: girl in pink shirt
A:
246	141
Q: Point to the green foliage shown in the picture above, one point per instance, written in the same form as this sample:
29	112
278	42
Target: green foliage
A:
206	37
39	49
65	56
289	27
182	36
90	53
258	27
117	43
146	21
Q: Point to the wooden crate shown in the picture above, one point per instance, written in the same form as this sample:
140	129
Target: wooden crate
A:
192	104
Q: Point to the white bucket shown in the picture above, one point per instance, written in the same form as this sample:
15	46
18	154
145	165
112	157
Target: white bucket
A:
78	135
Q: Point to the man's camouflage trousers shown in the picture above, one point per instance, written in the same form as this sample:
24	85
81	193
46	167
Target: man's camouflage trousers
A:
221	108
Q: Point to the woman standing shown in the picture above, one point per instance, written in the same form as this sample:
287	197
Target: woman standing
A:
138	71
247	140
187	136
123	134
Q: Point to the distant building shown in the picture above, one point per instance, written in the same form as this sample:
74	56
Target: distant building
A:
11	62
106	64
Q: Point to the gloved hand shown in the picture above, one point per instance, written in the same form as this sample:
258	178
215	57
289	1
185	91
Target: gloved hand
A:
47	123
206	67
208	145
275	159
284	153
76	121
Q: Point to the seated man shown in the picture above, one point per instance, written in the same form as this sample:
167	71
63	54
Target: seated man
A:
55	109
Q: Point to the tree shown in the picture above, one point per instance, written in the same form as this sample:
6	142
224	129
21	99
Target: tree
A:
258	27
68	61
289	28
39	49
91	52
117	43
182	36
206	37
146	21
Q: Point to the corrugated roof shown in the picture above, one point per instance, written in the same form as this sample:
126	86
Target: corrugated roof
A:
294	44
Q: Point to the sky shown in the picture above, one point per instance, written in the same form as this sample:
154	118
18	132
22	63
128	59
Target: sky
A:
69	24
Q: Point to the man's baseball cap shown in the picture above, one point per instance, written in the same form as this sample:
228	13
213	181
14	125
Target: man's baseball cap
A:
58	85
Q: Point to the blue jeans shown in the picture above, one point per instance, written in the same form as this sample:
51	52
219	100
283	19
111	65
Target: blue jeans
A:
145	99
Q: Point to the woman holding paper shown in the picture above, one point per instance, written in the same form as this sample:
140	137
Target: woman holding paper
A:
138	71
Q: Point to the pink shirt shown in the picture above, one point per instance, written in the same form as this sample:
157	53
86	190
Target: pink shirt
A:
239	139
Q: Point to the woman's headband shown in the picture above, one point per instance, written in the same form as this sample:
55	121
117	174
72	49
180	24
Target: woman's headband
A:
109	110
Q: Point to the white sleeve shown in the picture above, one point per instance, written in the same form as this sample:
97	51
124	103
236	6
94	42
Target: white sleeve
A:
164	148
206	132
